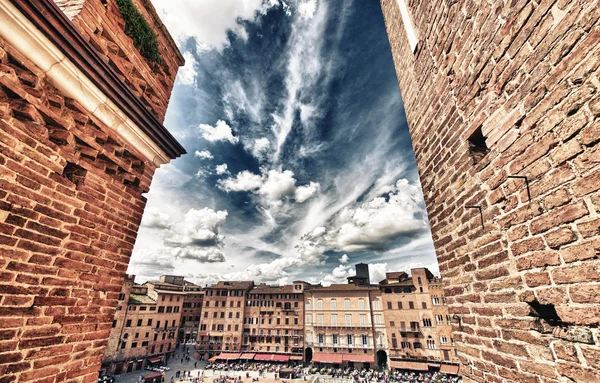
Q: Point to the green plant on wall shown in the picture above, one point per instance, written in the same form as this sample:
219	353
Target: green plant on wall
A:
138	29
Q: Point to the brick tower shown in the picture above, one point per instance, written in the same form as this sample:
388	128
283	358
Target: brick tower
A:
503	109
81	134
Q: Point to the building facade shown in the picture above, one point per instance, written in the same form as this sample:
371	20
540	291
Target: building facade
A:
416	316
339	325
501	101
81	135
221	323
274	320
145	326
192	311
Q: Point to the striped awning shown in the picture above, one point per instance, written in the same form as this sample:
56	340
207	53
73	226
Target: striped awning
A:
247	356
229	356
323	357
360	358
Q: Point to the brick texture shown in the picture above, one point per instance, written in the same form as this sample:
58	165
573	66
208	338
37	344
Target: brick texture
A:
70	206
526	74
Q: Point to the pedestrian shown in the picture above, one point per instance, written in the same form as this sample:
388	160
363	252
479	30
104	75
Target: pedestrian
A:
195	363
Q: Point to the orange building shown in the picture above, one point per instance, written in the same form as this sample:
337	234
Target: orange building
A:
274	321
145	326
416	317
222	318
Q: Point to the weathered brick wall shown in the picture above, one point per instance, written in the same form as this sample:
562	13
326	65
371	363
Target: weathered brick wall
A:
526	74
100	22
70	206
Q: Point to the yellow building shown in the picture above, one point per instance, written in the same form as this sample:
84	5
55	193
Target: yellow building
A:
344	323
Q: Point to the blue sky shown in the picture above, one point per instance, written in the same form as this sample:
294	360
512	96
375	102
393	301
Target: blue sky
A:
299	159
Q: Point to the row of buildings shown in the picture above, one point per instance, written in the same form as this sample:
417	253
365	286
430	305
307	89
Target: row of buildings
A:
401	322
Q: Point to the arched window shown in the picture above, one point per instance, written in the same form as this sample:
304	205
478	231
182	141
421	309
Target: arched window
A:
333	304
361	304
419	279
320	304
308	304
347	304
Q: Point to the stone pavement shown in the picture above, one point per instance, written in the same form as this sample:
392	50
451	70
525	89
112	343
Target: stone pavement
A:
174	364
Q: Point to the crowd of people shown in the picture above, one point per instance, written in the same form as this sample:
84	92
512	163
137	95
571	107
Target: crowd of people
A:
358	375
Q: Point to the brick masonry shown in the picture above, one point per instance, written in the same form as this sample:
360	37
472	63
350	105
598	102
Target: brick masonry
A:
70	206
526	74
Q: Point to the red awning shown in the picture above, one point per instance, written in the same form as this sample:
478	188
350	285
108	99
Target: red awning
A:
280	358
323	357
154	360
228	356
296	357
449	369
213	359
247	356
415	366
263	357
360	358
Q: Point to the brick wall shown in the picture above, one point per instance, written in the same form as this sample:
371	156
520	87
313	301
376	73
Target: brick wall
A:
70	206
525	75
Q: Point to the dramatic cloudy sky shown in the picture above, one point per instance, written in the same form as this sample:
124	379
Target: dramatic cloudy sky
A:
299	160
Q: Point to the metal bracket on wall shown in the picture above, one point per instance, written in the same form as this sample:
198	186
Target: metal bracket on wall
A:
480	213
526	184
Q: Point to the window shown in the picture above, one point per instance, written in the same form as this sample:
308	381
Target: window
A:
448	320
346	304
389	305
128	324
320	319
392	323
399	305
376	305
424	305
439	319
308	305
349	339
320	304
321	339
333	319
411	305
161	309
145	344
426	322
139	322
435	300
155	337
431	344
443	340
377	319
122	296
478	148
365	340
363	319
452	341
361	304
405	344
123	344
333	304
348	320
149	322
114	324
307	319
380	340
169	309
334	339
137	335
134	345
394	341
157	324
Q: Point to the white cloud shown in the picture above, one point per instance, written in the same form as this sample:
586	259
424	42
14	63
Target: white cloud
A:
199	228
208	21
377	272
154	219
187	74
221	169
338	275
375	224
306	192
261	145
344	259
205	155
220	132
273	185
307	8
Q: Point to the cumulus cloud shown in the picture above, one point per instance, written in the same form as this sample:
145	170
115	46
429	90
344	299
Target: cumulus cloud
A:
200	228
307	8
154	219
243	181
221	169
375	224
187	74
205	155
220	132
273	185
344	259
